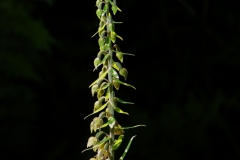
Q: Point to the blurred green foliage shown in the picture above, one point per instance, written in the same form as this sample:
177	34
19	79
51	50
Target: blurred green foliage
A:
23	43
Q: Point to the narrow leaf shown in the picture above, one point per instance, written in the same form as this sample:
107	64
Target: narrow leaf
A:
105	125
127	148
99	134
120	37
124	102
119	9
131	127
101	142
98	110
99	30
117	22
119	110
128	54
124	83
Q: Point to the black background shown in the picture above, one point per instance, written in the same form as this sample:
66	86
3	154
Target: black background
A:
186	71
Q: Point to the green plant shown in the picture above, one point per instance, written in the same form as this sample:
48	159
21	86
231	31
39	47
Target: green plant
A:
104	86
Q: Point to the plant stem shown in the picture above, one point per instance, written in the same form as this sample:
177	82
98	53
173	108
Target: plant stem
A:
110	107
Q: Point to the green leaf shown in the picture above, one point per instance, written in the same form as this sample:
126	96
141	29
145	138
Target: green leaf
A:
98	110
119	9
124	83
119	110
101	77
99	134
114	9
127	148
120	37
131	127
117	22
105	125
128	54
123	102
118	142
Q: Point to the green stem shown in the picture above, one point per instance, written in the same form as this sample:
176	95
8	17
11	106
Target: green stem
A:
111	96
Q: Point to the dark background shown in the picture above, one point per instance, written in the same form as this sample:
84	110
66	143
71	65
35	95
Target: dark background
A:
186	71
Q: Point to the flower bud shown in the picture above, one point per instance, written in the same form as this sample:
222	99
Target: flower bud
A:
103	18
116	85
119	56
113	36
101	99
106	47
93	89
111	27
99	12
102	115
91	126
96	62
99	55
97	123
101	24
104	69
118	131
119	66
101	41
102	33
107	113
97	2
100	73
123	72
105	63
117	48
104	85
91	141
97	105
100	93
102	48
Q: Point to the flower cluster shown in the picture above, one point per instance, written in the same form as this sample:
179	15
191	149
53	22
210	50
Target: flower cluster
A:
109	78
